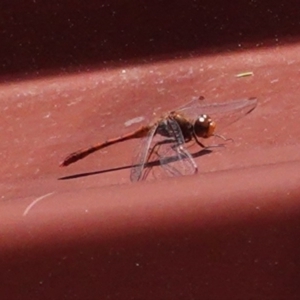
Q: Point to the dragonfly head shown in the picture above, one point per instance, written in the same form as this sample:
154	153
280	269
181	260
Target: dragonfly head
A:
204	126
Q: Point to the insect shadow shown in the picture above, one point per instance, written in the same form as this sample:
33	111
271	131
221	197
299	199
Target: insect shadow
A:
151	164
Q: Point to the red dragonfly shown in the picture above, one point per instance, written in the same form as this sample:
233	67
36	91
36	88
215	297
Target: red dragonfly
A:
166	137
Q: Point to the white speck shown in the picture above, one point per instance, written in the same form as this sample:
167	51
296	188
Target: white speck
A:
123	71
274	80
65	95
77	100
35	202
161	90
137	264
290	62
134	121
47	115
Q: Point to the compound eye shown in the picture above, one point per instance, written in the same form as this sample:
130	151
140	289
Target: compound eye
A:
204	126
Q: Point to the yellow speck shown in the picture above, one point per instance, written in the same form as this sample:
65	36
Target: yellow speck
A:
245	74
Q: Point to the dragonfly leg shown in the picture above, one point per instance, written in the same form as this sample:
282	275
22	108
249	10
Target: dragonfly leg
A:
223	138
199	143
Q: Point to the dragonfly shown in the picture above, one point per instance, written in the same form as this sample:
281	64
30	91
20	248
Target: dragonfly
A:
166	138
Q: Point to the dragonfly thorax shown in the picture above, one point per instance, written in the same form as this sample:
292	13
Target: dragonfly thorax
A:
204	126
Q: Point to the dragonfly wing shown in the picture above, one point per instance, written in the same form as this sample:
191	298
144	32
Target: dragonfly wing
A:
141	156
177	161
174	158
223	114
189	106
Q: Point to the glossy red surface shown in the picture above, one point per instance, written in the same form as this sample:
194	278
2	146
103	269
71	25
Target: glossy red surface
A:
229	232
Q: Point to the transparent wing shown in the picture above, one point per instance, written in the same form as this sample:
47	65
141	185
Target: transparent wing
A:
223	114
163	153
174	158
177	161
141	156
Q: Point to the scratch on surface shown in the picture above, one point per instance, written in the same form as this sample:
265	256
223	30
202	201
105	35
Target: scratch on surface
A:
28	208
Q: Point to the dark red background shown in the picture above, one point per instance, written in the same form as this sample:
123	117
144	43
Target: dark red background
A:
52	36
72	74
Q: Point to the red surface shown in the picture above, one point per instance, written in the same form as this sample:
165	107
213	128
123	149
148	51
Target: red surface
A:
229	232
